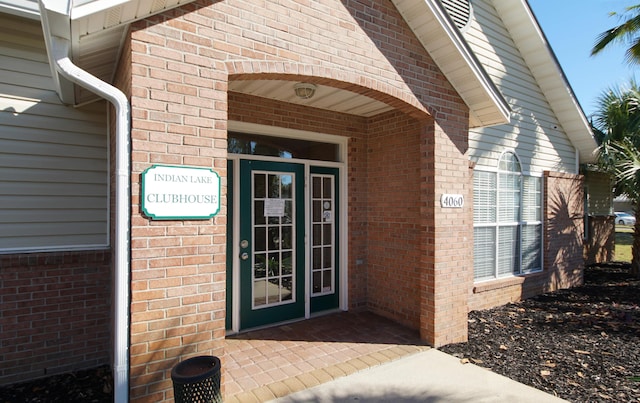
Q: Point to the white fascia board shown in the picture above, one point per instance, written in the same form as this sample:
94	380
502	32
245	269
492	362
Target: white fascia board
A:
443	41
21	8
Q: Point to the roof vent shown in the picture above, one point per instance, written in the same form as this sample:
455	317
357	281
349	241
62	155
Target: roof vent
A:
459	11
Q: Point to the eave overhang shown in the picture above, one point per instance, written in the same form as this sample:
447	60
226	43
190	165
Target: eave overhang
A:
96	30
431	24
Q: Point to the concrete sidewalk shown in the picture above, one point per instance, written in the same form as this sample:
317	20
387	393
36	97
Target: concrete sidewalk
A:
429	376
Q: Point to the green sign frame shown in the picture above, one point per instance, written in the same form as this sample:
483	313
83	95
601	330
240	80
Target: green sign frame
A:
170	192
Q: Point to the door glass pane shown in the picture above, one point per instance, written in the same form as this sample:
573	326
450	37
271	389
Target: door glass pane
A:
317	210
259	206
259	186
323	230
259	292
317	282
285	186
287	237
327	187
273	239
286	289
260	239
327	253
274	186
287	263
260	267
317	258
317	189
317	234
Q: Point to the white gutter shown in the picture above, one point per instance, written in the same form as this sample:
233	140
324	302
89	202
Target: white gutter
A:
58	50
121	268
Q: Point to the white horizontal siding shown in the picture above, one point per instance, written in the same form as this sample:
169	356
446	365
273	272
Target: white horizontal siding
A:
53	158
535	133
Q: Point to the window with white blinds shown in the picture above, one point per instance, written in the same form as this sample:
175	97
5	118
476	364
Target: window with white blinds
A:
507	218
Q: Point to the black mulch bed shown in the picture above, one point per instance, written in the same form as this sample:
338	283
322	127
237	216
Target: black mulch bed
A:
88	386
582	344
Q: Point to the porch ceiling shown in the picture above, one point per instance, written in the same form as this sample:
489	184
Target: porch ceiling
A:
326	97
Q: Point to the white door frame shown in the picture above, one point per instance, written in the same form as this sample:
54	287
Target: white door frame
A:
274	131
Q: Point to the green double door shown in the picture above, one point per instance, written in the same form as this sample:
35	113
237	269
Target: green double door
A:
288	241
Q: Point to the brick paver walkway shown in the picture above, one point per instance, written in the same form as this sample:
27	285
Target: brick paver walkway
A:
265	364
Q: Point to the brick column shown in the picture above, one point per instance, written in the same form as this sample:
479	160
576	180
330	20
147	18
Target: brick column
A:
447	276
563	230
179	114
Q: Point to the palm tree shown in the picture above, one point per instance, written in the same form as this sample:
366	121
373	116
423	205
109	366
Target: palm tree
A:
627	32
617	128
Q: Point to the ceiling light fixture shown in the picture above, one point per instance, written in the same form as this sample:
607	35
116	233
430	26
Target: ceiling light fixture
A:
304	90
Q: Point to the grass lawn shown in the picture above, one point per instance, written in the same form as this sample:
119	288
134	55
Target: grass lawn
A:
624	239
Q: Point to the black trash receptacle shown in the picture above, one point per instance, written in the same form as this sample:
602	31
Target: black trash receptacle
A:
197	380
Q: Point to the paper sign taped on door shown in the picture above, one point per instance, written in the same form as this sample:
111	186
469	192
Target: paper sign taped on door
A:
274	207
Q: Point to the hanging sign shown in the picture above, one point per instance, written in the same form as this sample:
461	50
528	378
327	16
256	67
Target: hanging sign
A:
180	193
452	201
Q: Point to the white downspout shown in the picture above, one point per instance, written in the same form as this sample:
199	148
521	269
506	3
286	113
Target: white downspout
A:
66	68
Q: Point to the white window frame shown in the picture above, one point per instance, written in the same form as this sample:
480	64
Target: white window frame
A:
519	223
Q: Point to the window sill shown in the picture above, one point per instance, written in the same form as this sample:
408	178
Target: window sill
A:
496	284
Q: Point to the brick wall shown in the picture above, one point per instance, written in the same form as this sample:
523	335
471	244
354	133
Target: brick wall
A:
181	62
394	225
54	313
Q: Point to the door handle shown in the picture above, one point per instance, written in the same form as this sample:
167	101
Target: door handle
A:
244	256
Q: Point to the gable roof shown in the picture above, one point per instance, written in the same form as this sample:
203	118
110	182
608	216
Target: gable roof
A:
537	53
95	29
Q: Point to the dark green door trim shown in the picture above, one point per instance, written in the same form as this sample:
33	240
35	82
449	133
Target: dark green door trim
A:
329	301
228	320
252	213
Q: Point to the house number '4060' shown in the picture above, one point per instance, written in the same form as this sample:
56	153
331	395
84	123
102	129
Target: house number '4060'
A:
451	201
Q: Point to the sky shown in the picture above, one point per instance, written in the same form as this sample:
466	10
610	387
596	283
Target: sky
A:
571	27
